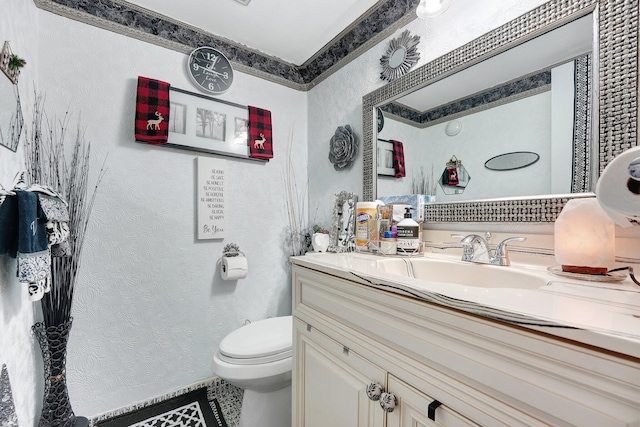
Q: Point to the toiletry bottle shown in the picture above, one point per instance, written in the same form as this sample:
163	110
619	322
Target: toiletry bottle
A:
374	232
365	211
388	243
408	234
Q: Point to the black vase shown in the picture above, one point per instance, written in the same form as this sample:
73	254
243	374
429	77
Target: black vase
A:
56	408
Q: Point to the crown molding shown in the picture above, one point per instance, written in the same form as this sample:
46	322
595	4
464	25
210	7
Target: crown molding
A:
134	21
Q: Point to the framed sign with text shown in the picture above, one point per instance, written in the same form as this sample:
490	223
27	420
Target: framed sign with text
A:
211	193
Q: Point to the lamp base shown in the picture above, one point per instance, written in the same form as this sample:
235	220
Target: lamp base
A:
611	276
584	270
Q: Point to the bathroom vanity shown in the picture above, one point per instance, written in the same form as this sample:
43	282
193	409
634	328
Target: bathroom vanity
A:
514	353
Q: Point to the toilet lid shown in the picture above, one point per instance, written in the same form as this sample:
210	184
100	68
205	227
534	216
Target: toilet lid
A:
265	339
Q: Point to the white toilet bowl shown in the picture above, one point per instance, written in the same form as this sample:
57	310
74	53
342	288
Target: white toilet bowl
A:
257	358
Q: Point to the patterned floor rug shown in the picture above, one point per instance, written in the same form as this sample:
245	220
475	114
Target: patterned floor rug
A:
188	410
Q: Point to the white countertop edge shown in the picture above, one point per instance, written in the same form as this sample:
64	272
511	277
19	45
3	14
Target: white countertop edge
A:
613	327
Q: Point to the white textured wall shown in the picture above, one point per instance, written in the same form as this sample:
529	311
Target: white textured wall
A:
151	306
525	126
18	349
338	99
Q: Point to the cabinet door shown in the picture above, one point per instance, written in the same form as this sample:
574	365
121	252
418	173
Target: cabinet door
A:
330	383
413	409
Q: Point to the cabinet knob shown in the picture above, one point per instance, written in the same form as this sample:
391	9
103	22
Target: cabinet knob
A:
374	391
388	401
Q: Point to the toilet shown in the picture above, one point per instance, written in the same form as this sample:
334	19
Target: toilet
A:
257	358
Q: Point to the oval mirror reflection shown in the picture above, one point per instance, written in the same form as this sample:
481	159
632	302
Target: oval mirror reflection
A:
511	161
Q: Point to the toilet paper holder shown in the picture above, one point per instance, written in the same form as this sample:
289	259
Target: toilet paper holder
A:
233	265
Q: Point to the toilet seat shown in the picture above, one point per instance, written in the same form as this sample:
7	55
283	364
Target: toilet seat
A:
260	342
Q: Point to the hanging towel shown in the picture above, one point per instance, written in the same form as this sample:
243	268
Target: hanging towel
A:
56	212
34	257
398	159
452	176
260	142
9	226
152	111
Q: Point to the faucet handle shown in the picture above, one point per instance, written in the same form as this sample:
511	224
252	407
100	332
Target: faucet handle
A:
502	254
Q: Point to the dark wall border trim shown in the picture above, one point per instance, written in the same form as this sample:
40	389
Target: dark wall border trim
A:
133	21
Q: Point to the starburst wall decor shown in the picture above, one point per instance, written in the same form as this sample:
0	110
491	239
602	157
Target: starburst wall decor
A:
401	55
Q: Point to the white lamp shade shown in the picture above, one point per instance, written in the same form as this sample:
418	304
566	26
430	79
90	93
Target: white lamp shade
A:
584	235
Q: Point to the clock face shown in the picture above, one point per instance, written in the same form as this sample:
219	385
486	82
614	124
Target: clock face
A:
210	70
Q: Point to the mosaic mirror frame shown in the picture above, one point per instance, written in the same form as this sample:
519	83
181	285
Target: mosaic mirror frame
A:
615	64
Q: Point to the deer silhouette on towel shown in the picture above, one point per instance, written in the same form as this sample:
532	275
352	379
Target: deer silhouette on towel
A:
155	123
259	143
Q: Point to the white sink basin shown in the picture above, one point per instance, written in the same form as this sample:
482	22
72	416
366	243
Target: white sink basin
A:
464	273
433	269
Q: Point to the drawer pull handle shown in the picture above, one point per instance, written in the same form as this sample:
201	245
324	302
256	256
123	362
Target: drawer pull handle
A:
431	413
374	391
388	402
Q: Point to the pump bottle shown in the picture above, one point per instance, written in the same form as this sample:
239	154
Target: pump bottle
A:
408	234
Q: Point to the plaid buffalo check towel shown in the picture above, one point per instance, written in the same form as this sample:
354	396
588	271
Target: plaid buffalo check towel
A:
398	158
260	143
152	111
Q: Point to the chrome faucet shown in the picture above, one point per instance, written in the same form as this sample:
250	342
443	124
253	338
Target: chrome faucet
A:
476	249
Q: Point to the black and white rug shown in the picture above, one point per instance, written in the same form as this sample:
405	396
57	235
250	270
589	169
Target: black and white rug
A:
188	410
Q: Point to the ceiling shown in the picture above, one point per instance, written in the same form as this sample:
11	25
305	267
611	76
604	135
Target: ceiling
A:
548	50
292	30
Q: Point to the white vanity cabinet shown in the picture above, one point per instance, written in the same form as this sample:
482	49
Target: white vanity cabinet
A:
331	385
480	372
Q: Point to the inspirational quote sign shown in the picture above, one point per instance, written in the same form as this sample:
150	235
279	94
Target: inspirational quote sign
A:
211	197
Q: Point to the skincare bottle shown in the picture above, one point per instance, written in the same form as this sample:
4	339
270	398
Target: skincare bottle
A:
408	234
388	243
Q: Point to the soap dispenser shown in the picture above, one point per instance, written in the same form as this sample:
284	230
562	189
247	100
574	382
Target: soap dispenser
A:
408	234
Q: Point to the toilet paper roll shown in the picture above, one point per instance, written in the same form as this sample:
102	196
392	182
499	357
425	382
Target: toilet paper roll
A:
614	188
234	268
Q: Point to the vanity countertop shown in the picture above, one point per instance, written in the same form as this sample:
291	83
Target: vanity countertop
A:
600	314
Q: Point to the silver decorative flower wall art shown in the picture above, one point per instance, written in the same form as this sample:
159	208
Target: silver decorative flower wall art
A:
343	148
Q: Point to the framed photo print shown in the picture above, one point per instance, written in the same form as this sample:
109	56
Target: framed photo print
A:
385	159
241	131
201	123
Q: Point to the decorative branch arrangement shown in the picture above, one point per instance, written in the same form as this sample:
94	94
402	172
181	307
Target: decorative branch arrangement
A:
47	164
297	241
423	184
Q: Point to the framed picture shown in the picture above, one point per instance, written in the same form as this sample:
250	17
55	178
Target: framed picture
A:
241	131
385	159
202	123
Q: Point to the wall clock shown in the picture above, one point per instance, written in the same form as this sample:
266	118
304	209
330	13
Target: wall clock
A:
380	119
210	70
401	55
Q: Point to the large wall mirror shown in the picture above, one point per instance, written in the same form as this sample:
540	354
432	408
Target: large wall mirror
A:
559	81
